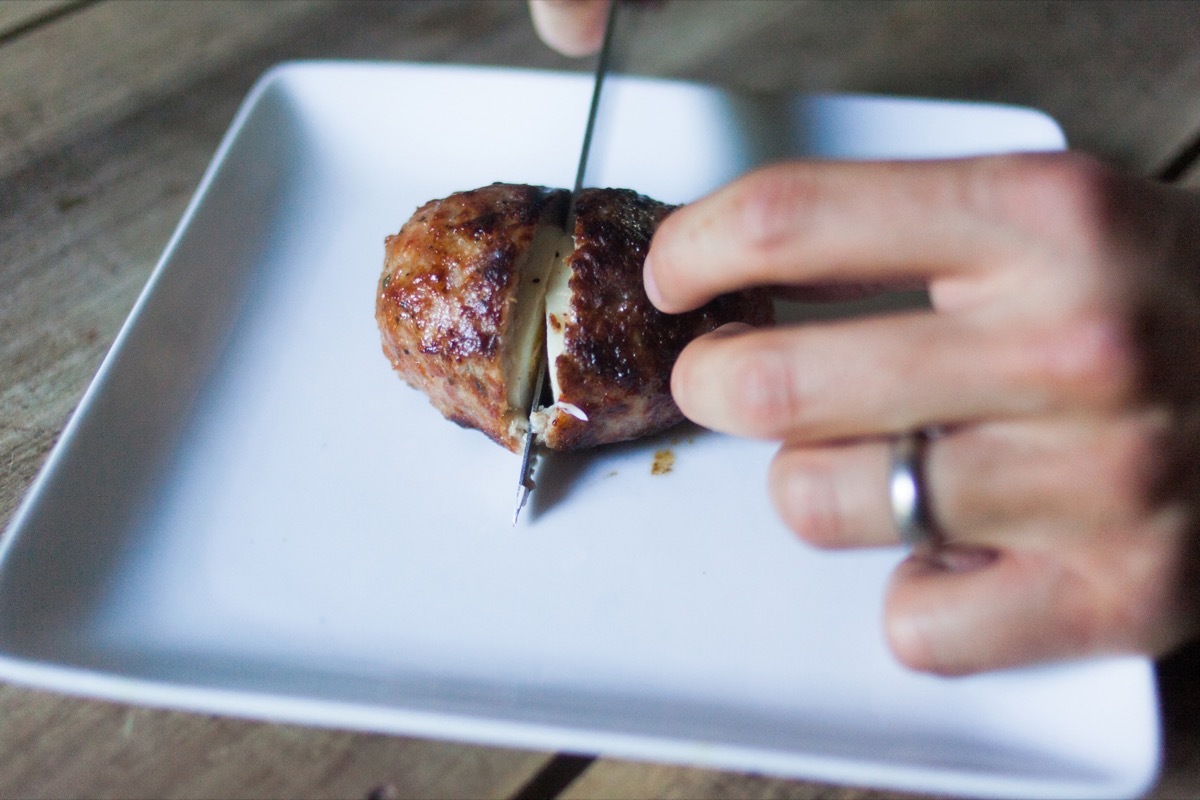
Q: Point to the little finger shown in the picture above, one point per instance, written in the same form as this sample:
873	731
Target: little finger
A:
1124	591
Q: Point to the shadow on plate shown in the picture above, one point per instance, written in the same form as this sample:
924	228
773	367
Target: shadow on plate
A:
559	474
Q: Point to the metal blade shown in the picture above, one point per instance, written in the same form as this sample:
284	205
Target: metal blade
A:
601	71
528	461
525	479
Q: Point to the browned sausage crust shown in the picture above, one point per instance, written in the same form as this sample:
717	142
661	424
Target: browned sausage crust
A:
447	300
618	349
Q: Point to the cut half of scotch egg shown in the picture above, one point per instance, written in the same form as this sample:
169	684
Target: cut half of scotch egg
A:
477	286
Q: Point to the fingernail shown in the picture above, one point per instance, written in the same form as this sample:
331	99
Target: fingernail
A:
732	329
953	558
651	286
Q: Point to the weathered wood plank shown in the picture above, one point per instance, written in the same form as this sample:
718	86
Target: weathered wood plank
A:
1122	78
94	66
627	780
1191	178
58	747
18	14
91	67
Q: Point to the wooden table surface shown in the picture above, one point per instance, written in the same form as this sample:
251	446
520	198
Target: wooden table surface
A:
109	113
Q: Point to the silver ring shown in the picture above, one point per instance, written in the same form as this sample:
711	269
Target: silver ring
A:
908	494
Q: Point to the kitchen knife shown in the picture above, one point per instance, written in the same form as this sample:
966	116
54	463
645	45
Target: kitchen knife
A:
528	450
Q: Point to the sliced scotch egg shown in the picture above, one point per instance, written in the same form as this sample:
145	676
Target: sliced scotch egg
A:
476	287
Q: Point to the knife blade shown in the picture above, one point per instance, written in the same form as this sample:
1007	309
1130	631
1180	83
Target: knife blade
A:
528	448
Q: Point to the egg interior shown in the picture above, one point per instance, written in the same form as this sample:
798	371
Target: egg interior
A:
536	271
558	309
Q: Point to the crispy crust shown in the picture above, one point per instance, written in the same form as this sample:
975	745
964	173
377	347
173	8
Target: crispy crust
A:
445	303
618	348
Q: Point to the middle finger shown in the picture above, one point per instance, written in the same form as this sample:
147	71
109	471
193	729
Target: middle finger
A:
878	376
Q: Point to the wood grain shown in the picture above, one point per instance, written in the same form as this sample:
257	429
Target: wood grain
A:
1122	78
95	66
626	780
109	114
1191	178
18	15
57	747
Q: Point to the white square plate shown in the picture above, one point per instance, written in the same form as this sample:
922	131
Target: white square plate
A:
250	514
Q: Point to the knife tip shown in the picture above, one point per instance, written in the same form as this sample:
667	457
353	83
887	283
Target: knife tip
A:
522	494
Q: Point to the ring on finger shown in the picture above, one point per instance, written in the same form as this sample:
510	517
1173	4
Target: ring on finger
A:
908	492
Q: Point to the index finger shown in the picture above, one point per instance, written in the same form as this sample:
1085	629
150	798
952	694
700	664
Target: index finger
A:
818	222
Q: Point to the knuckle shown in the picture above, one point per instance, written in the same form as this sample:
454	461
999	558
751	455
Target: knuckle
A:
913	644
806	497
769	204
1118	597
763	391
915	628
1131	464
738	385
685	375
1094	620
665	255
1067	191
1088	359
1079	622
1132	598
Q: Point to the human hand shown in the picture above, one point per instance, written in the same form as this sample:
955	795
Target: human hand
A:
572	27
1060	362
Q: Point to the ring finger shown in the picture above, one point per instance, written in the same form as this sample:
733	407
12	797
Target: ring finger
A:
980	481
